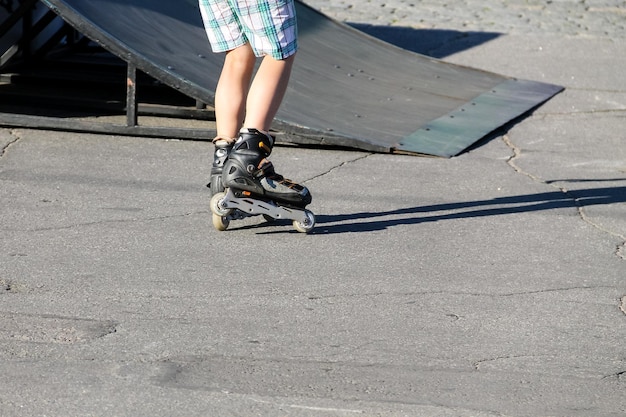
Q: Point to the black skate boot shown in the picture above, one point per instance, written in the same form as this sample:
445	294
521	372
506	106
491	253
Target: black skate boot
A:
223	146
247	169
253	186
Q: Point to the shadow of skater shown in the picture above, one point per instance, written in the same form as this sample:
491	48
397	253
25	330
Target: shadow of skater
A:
374	221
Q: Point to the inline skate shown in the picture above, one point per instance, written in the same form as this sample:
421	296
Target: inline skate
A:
252	187
223	146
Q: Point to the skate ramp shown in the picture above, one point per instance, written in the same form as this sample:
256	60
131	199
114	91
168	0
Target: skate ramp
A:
357	87
347	88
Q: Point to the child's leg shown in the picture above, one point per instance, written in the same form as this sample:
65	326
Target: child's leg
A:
267	92
232	90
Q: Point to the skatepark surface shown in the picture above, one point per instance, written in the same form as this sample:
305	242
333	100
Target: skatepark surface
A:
489	284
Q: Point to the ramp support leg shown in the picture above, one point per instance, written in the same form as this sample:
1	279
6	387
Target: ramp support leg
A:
131	95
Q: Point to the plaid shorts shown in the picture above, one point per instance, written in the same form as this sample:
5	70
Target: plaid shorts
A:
269	26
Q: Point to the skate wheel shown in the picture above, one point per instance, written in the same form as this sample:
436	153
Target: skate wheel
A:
216	206
220	222
307	225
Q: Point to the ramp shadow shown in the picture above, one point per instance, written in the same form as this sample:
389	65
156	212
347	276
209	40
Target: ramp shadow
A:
435	43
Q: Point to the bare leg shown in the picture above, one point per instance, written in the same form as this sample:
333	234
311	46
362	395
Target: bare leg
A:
267	91
232	90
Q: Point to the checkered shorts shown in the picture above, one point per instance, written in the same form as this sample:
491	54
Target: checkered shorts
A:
269	26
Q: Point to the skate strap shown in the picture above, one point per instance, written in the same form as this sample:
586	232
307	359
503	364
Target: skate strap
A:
265	169
220	138
265	148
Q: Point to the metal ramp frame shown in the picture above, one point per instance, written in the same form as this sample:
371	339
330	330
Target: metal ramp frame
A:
347	88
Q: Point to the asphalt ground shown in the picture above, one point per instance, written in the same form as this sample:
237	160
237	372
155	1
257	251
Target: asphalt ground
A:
489	284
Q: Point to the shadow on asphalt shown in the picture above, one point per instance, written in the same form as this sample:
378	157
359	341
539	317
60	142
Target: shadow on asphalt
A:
351	223
436	43
369	221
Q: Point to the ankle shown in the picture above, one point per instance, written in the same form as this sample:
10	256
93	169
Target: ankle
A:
223	140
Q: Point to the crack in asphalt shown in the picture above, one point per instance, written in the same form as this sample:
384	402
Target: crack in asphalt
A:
16	138
478	363
314	297
617	375
410	297
620	250
336	167
52	328
588	112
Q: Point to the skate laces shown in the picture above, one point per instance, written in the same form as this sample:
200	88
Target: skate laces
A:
266	170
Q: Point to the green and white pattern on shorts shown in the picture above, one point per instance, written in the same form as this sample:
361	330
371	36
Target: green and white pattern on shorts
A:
270	26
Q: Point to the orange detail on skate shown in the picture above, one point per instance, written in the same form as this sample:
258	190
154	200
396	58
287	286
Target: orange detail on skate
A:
265	147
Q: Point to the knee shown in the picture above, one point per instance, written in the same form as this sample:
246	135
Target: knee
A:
241	58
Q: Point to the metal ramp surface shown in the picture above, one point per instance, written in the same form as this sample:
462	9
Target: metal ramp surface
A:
347	88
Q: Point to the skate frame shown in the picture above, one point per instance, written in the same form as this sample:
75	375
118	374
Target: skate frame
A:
253	207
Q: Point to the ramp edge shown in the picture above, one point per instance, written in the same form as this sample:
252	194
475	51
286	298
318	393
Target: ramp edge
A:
451	134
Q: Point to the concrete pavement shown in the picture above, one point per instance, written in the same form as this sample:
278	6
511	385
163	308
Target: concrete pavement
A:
490	284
